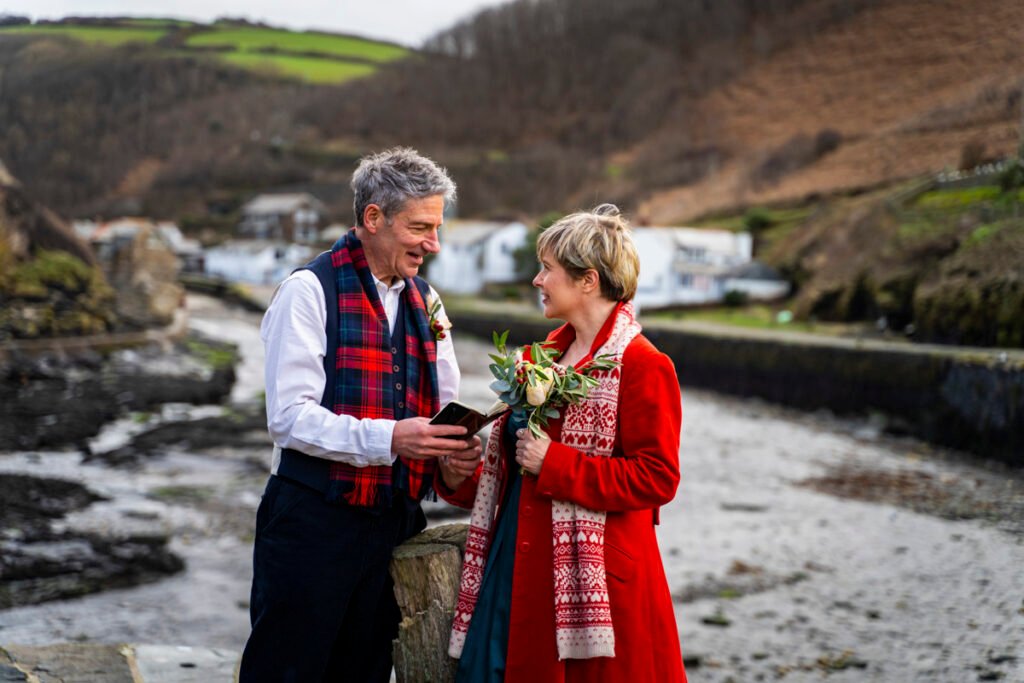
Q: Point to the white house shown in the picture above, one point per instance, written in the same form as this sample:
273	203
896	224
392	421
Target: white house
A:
256	261
758	281
291	217
475	254
686	265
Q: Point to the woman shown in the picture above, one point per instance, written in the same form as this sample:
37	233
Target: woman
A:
563	579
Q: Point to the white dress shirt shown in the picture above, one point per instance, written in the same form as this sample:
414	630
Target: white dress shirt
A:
294	335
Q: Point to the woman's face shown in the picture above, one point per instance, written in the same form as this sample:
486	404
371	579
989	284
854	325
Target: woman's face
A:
560	294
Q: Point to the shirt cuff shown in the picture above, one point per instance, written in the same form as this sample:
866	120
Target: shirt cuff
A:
380	443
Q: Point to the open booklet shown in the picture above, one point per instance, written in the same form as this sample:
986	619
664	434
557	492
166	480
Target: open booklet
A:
455	413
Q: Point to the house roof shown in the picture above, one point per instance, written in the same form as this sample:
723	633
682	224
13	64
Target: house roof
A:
467	233
281	203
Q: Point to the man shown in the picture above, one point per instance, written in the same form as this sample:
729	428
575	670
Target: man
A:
354	367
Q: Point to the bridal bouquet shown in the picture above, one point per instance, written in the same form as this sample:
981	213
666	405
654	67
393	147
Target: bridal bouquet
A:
535	389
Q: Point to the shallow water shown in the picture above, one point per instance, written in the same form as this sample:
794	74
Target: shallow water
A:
808	583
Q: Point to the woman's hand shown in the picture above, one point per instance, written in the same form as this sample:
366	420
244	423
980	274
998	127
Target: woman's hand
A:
458	466
530	451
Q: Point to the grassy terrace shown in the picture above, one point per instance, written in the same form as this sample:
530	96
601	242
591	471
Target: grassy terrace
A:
310	69
245	39
105	35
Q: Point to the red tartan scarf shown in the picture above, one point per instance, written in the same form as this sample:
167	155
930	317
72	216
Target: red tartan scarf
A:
583	615
363	383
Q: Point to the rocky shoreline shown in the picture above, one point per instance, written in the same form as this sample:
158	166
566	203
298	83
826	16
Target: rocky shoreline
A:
58	399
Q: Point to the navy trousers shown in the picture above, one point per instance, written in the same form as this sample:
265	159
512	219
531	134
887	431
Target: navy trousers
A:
322	605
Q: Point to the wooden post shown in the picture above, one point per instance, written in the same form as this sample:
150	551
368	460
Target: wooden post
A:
426	571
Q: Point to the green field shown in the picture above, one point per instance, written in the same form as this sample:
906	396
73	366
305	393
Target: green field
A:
105	35
309	69
250	39
289	56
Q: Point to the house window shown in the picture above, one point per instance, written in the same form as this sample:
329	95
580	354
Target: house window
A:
686	280
694	254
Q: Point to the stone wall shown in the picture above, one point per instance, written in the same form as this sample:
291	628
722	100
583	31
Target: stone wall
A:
971	399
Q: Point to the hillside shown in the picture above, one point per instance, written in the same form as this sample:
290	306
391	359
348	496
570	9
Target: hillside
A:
681	112
675	110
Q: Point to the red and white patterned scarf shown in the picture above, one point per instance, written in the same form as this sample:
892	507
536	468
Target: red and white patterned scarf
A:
583	617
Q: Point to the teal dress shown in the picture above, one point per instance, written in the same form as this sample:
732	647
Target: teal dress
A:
483	656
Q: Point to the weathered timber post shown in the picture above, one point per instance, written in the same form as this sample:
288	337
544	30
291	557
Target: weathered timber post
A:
426	570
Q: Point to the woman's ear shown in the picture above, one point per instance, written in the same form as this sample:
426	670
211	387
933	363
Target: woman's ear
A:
591	281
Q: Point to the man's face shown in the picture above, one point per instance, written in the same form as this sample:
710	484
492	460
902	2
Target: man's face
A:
398	247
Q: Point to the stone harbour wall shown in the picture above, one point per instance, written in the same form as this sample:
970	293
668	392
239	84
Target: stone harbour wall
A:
966	398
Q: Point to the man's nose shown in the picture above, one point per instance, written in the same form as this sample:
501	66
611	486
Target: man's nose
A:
433	242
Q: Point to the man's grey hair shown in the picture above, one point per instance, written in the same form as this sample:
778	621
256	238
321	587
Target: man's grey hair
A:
392	177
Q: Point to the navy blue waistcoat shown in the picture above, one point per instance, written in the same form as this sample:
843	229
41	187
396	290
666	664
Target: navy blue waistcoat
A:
315	472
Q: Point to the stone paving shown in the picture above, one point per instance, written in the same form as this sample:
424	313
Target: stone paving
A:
98	663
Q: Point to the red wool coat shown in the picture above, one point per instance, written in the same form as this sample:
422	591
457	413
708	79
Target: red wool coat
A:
641	476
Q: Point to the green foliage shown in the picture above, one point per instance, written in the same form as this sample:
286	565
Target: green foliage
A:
982	234
614	171
48	270
734	298
528	380
217	356
1013	177
957	198
525	256
54	294
758	219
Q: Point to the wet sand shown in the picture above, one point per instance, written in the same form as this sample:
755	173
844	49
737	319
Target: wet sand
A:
780	571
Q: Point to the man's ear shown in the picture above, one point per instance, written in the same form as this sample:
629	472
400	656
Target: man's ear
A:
373	218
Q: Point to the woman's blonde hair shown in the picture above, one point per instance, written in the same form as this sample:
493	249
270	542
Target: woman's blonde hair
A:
600	240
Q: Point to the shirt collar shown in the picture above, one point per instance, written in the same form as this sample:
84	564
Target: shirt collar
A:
383	287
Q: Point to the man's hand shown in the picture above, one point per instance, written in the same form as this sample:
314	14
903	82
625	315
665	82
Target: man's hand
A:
460	465
416	438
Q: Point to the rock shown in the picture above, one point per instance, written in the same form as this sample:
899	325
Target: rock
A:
692	661
242	427
38	564
716	619
55	400
79	662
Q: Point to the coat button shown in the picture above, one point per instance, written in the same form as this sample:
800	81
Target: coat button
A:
394	350
524	547
398	385
401	404
527	510
395	368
